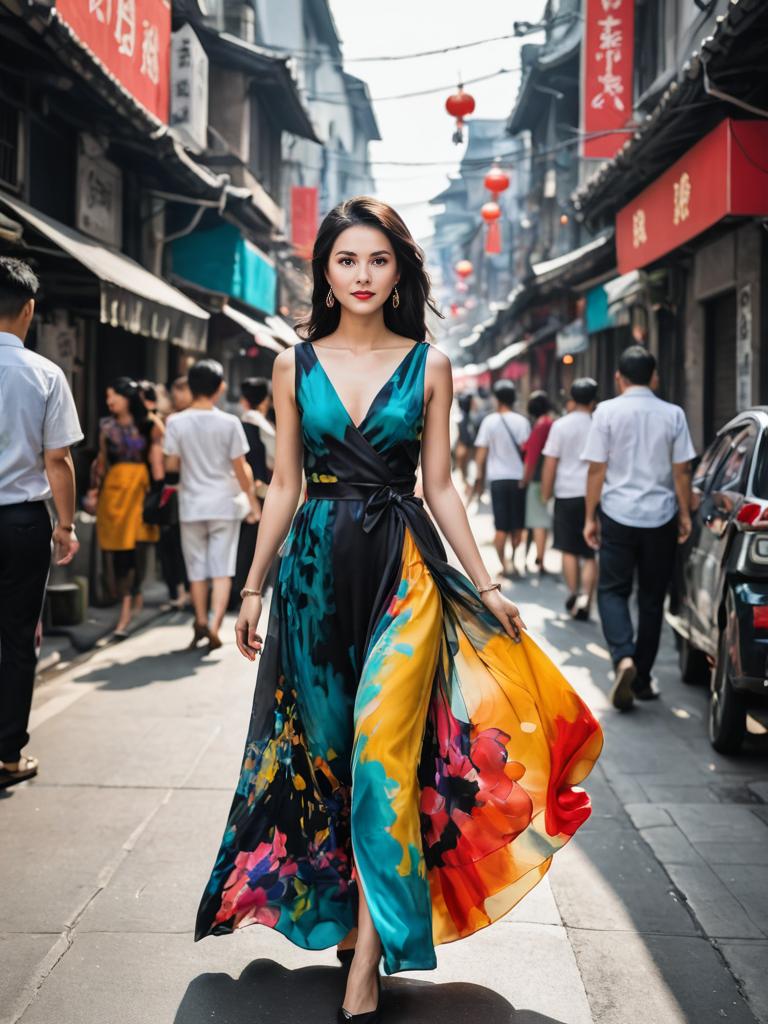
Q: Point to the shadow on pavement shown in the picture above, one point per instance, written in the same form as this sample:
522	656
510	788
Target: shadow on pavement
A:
271	994
149	668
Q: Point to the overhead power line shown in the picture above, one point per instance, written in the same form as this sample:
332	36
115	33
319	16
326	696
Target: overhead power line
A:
331	97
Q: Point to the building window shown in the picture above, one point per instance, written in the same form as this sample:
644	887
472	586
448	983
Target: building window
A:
9	145
649	43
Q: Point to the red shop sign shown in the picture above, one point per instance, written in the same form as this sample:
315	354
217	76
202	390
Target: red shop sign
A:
132	39
607	63
725	174
303	220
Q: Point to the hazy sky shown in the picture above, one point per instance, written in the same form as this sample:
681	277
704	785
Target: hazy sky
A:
419	129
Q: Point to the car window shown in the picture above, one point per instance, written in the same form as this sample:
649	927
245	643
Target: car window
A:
710	461
733	472
760	482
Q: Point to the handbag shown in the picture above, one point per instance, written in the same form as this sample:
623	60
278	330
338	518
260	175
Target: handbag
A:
513	439
161	505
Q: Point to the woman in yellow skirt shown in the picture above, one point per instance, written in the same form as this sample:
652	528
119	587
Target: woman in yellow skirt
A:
130	458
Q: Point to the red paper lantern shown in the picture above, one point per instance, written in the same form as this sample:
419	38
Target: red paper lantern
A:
464	268
490	212
496	181
460	105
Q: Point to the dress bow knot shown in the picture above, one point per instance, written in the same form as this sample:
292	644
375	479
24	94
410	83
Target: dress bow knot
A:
380	501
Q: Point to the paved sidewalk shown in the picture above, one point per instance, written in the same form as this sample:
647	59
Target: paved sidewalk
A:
654	914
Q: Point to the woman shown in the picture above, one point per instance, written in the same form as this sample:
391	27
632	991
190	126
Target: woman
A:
465	441
398	705
538	519
130	453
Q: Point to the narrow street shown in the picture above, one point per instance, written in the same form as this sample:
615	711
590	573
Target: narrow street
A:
657	913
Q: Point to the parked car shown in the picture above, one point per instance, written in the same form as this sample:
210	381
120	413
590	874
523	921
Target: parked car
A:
719	606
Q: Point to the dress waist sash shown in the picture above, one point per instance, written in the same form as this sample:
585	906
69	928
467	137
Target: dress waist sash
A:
395	495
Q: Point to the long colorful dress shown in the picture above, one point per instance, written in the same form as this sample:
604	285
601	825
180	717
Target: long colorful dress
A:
393	716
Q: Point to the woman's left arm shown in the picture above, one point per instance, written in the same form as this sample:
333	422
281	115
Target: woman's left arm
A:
443	498
155	457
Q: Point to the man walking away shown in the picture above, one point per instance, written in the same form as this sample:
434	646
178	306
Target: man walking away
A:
639	449
499	459
564	474
255	399
207	448
38	423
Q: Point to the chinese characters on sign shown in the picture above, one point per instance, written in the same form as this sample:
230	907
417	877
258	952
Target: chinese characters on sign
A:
681	197
607	71
639	229
99	201
131	39
744	349
189	88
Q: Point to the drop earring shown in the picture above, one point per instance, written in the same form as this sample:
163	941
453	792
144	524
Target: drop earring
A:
395	298
330	299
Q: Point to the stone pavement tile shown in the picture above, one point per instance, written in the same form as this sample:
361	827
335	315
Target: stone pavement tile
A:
749	884
612	882
734	822
670	845
733	853
718	912
65	838
647	815
157	888
137	750
675	794
531	967
257	976
760	789
761	813
626	787
654	979
538	907
19	956
748	962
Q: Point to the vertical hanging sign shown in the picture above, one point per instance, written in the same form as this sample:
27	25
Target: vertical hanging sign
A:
304	203
607	75
132	41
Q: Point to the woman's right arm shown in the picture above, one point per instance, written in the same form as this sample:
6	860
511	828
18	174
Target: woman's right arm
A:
280	501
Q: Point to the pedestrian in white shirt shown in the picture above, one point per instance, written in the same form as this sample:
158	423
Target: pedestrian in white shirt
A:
499	460
639	449
38	423
564	475
207	447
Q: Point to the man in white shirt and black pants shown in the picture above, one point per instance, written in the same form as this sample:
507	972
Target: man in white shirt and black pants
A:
565	475
38	423
499	460
639	449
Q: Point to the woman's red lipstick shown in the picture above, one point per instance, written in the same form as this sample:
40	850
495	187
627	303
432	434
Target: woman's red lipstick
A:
363	295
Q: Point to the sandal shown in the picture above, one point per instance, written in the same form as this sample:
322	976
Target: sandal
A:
25	769
201	633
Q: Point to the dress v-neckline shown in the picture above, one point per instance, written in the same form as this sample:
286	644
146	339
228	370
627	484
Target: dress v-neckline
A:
358	426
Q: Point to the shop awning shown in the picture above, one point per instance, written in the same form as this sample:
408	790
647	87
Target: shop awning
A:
222	260
723	175
259	331
131	297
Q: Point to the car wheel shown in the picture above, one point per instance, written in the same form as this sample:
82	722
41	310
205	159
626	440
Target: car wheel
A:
694	667
727	715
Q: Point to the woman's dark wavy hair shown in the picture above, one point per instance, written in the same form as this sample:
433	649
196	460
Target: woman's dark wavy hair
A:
413	287
131	390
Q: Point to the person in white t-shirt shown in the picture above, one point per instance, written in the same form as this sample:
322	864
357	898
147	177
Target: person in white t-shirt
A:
207	447
640	450
499	461
564	474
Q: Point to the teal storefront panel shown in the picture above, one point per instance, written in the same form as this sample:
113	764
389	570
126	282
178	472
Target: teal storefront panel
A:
223	261
597	316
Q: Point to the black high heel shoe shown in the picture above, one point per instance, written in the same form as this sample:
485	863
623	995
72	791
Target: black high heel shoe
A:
371	1017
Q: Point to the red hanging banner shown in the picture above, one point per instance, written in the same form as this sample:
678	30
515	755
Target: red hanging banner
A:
304	205
132	39
607	70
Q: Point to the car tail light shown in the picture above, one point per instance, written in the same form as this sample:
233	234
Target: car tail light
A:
749	513
760	616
